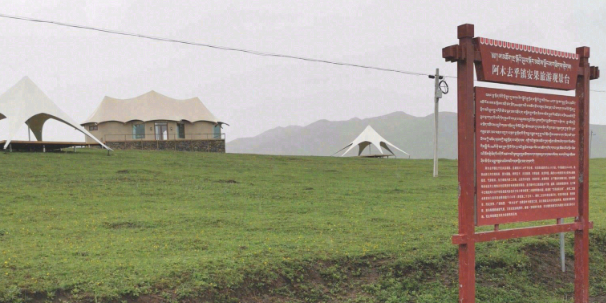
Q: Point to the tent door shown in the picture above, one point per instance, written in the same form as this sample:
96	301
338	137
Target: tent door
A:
161	131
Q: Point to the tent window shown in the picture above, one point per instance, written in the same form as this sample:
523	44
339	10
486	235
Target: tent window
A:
217	132
138	131
93	127
181	130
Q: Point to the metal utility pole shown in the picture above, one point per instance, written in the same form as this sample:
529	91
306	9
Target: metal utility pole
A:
440	87
562	248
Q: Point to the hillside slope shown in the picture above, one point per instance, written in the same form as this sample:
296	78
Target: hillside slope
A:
323	138
412	134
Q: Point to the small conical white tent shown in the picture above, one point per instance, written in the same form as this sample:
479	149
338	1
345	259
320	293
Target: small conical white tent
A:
26	103
367	137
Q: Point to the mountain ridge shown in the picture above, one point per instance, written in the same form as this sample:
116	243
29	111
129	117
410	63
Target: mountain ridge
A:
410	133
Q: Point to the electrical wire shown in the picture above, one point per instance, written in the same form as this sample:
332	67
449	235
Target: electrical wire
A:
225	48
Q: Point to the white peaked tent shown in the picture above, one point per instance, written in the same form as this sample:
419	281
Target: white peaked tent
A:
26	103
366	138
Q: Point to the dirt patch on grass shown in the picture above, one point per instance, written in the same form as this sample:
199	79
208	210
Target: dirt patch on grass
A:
363	279
545	268
137	171
125	225
325	281
230	181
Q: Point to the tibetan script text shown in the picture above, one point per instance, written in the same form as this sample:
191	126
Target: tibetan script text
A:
527	148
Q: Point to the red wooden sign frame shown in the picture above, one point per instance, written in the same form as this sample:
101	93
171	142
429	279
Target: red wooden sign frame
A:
467	54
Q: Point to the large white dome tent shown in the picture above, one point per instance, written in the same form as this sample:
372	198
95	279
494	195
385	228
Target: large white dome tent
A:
25	103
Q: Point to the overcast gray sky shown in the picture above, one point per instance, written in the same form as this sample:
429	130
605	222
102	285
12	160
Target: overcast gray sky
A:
77	68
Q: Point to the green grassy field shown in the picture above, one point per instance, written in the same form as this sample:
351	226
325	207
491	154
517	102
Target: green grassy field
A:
180	226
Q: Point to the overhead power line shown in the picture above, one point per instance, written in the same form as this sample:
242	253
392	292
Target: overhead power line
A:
225	48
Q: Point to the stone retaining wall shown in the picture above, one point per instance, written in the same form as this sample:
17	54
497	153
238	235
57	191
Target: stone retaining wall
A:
211	146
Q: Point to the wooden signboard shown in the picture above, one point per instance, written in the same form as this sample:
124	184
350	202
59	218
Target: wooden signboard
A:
512	63
527	150
521	156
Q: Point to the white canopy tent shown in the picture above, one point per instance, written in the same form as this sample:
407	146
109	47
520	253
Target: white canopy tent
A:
370	137
26	103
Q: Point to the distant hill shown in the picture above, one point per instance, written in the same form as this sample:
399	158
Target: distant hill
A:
598	143
412	134
323	138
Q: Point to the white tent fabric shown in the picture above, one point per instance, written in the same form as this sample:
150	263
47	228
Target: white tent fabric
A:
366	138
149	107
26	103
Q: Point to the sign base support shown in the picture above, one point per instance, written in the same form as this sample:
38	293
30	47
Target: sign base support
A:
467	272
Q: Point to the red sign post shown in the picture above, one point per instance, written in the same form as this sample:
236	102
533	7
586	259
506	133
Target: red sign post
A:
522	156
